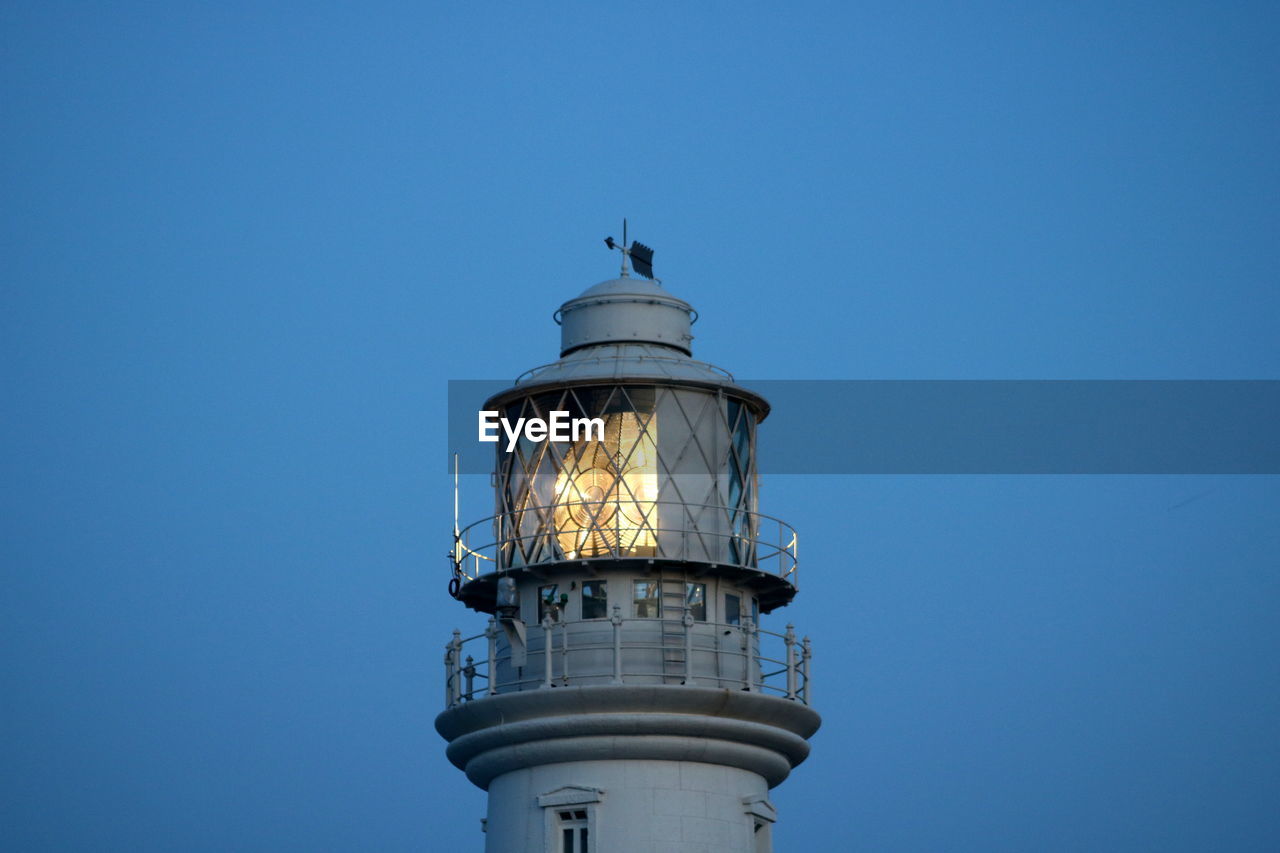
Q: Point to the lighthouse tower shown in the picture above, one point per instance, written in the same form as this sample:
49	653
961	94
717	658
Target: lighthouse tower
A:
625	695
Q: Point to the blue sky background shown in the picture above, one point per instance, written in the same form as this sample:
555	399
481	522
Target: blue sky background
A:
243	248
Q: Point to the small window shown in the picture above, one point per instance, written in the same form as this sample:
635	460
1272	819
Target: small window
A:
573	831
648	600
732	610
755	612
695	601
547	600
570	817
595	603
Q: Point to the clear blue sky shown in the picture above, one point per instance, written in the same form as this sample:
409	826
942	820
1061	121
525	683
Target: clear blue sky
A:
246	245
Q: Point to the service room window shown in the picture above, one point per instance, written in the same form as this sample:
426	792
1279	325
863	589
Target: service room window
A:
573	831
595	604
648	600
695	601
546	597
732	609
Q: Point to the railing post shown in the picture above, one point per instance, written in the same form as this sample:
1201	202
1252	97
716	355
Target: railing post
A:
805	653
794	574
687	621
564	652
470	672
448	675
492	633
790	640
749	662
616	620
455	661
546	649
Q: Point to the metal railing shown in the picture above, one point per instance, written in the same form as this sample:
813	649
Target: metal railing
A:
683	362
704	533
782	670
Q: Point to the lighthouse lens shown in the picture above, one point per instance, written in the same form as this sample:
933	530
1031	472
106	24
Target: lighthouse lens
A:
606	492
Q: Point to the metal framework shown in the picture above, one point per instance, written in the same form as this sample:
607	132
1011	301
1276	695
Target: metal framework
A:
677	467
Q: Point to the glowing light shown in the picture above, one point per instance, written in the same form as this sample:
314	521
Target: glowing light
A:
605	499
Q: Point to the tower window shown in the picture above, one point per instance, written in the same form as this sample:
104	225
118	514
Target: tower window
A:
648	600
573	831
695	600
546	600
571	815
732	609
595	602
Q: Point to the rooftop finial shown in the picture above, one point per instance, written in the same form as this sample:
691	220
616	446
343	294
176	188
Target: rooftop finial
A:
641	256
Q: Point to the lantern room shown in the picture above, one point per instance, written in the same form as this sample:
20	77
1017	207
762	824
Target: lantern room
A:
669	480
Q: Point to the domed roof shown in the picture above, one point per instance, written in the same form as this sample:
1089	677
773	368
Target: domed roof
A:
625	310
630	286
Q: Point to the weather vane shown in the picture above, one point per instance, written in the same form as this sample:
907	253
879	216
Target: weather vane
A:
641	255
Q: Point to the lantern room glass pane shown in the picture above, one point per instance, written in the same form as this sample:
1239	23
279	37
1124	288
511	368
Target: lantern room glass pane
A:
606	491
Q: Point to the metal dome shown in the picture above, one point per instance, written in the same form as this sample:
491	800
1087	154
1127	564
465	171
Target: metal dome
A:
625	311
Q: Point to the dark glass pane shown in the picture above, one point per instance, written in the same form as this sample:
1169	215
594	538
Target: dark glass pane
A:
634	399
695	599
595	604
735	487
582	836
648	604
732	610
568	841
742	440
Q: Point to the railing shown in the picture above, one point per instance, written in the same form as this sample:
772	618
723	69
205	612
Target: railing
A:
556	661
611	360
704	533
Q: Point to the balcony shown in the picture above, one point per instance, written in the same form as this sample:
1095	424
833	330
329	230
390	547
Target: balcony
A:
635	651
672	531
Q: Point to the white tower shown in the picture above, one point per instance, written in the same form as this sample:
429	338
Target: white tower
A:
624	697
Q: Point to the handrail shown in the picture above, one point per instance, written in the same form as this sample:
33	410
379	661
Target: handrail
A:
675	535
683	361
548	656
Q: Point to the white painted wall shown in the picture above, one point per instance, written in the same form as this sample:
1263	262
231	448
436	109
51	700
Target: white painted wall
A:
646	806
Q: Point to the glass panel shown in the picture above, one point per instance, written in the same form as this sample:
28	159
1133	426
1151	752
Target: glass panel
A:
582	838
695	600
648	602
732	610
755	612
606	490
568	841
595	604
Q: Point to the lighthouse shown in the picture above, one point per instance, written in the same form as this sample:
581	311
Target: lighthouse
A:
634	688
